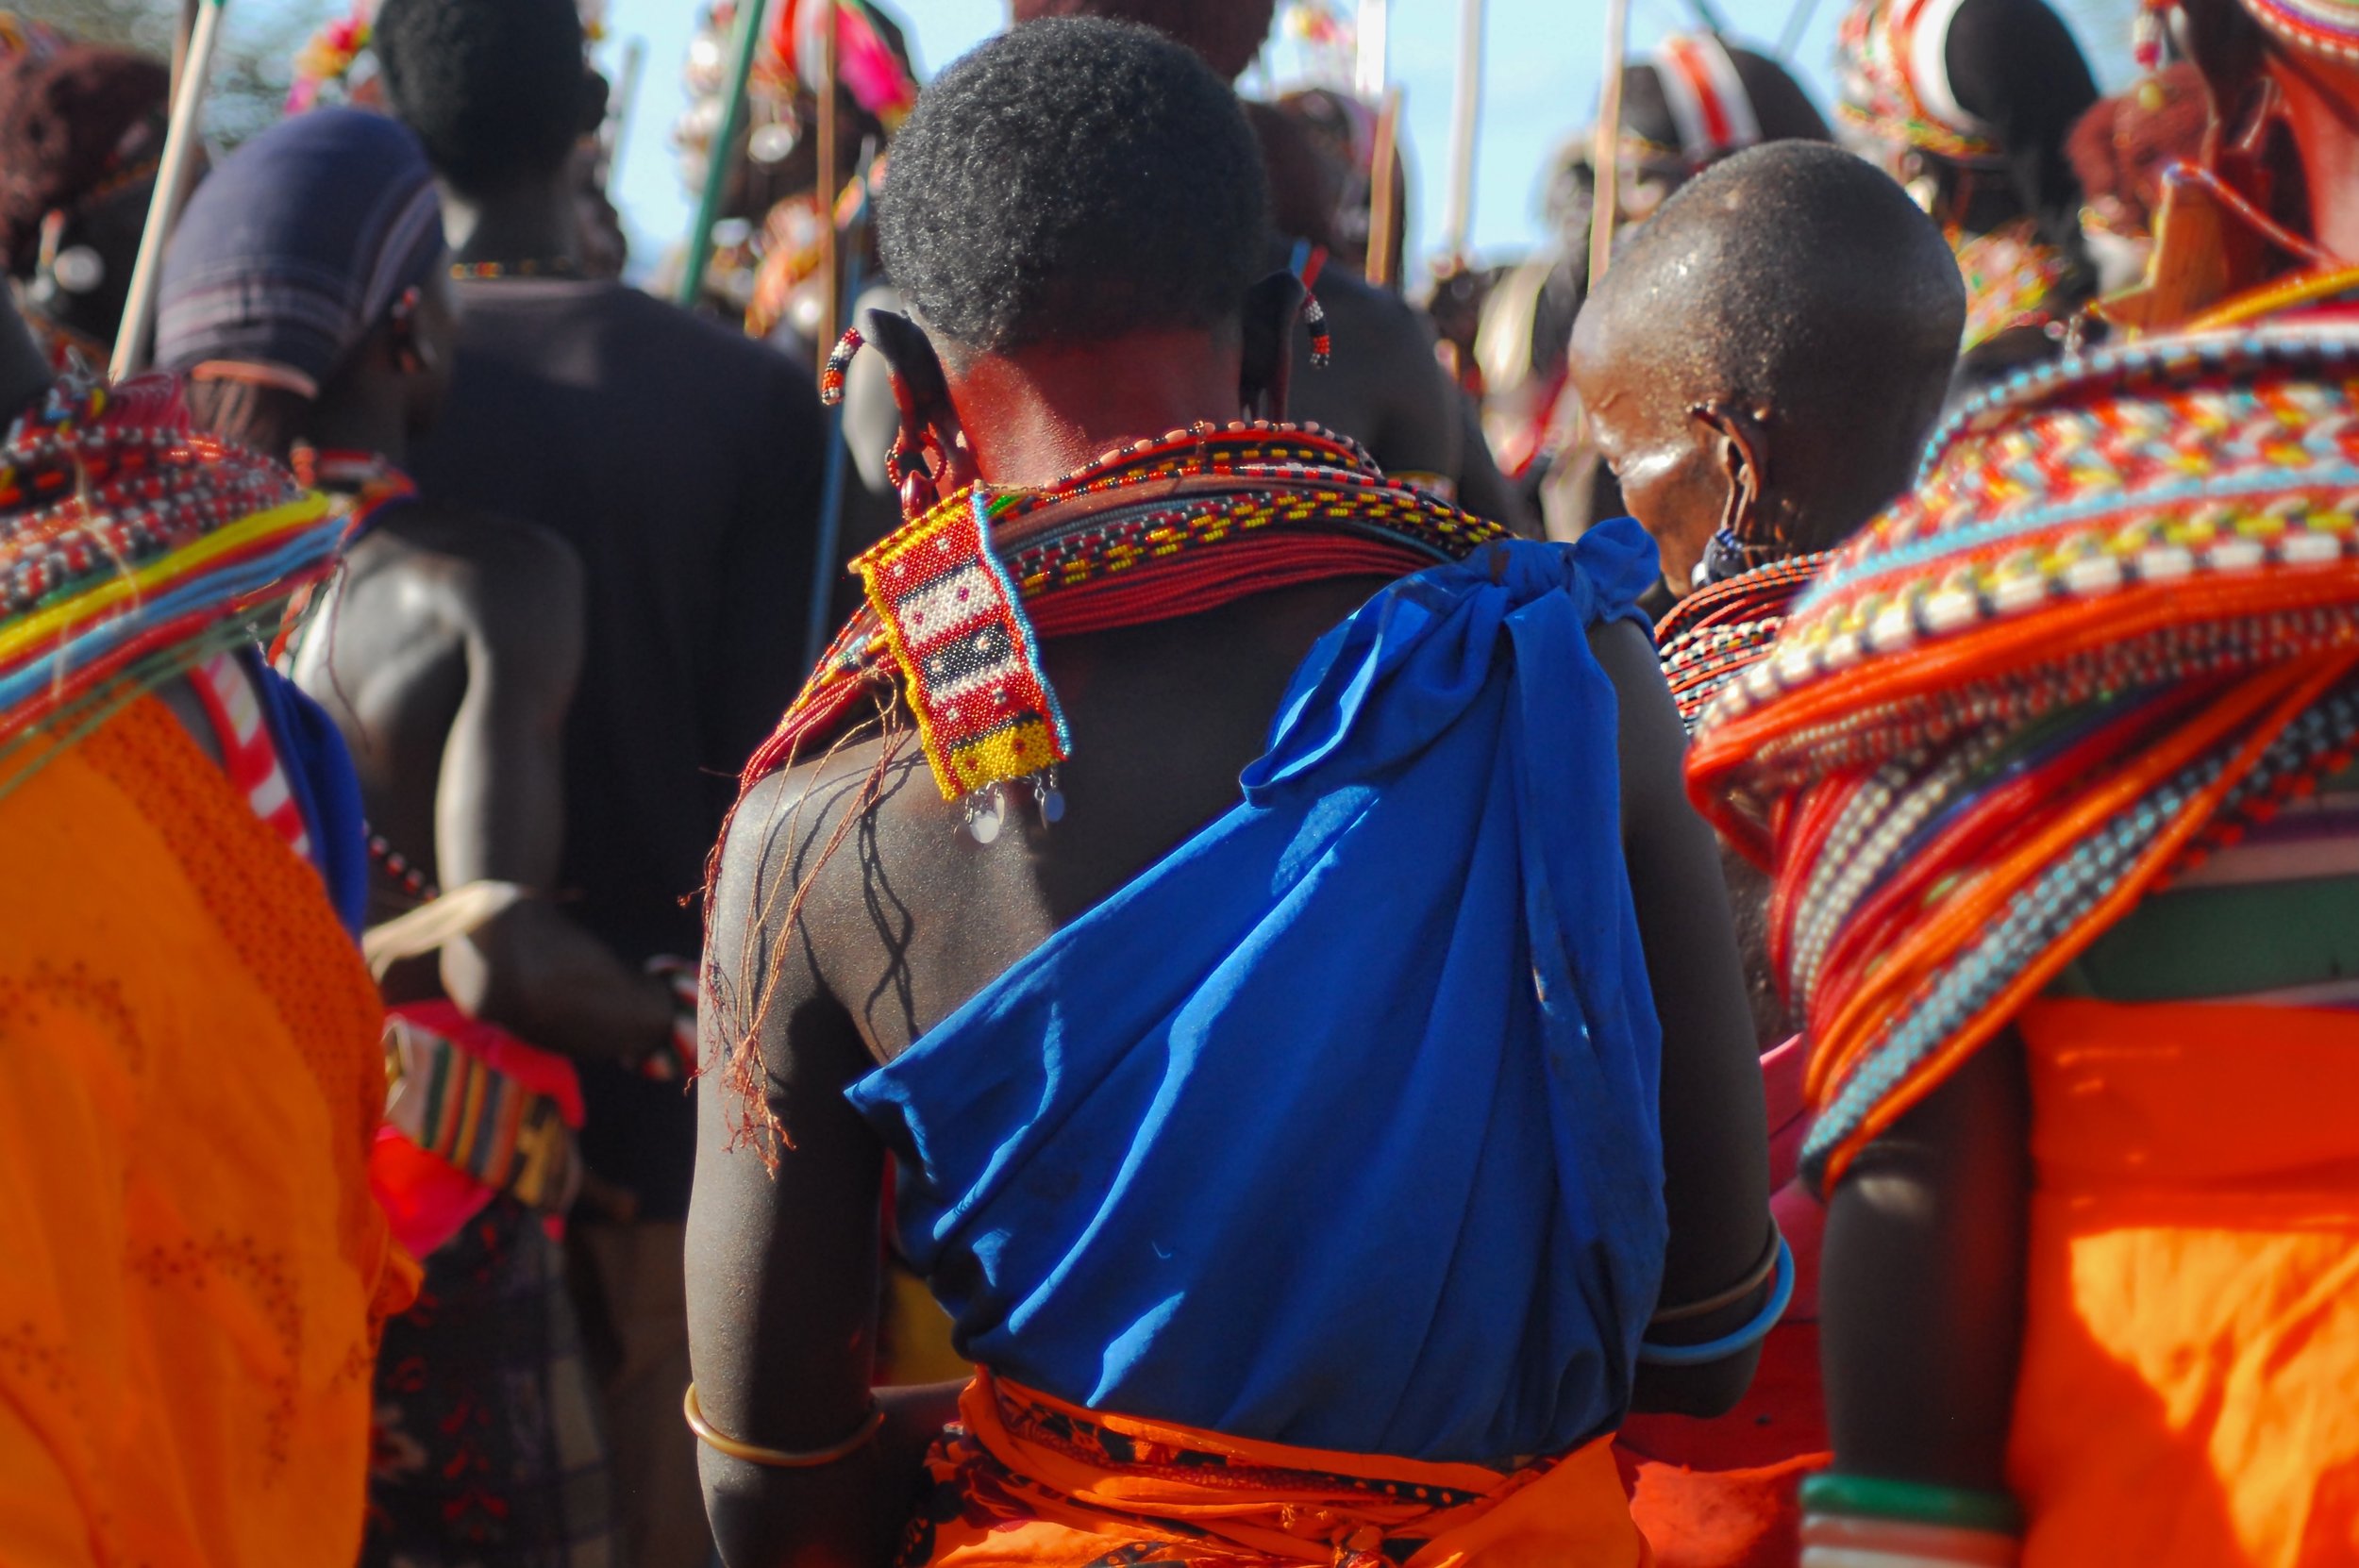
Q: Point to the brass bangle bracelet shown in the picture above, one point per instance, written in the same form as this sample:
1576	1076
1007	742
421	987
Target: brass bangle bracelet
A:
1754	1278
778	1459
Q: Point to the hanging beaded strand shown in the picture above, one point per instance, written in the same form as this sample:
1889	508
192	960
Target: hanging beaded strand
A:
839	365
1314	318
405	875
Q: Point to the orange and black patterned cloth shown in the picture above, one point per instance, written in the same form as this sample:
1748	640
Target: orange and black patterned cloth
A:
1027	1480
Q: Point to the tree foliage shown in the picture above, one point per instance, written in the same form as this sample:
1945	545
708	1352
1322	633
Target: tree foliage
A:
251	70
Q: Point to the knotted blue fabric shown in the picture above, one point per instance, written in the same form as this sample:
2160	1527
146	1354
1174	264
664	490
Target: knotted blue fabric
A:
1336	1128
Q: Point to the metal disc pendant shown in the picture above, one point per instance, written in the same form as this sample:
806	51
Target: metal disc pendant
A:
986	814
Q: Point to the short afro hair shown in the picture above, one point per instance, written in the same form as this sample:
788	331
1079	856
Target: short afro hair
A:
497	90
1074	180
1225	34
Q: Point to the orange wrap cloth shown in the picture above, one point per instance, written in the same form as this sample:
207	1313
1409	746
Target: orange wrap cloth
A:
2211	1147
190	1082
1034	1481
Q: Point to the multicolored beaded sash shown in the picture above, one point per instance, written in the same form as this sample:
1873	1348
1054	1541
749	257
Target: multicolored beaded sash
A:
132	547
2118	622
960	600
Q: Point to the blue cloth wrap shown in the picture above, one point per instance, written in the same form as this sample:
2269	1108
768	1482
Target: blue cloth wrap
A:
326	790
1338	1126
293	249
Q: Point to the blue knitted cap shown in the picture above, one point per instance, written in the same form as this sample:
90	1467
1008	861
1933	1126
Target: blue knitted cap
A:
297	244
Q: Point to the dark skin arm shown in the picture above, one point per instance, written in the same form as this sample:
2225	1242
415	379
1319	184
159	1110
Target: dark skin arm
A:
499	815
1920	1287
1716	1151
447	658
782	1285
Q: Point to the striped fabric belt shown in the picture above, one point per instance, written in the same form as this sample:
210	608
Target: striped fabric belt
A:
483	1121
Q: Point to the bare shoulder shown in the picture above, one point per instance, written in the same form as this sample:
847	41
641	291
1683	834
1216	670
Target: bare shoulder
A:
803	849
1653	741
509	581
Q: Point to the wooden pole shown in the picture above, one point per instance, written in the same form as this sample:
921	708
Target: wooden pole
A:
746	44
1605	153
163	207
1465	117
180	41
830	258
618	122
1384	221
1796	23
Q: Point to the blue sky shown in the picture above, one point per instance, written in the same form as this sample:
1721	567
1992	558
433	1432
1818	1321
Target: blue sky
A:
1540	84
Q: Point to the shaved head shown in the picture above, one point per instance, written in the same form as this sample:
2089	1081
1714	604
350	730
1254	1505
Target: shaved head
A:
1791	294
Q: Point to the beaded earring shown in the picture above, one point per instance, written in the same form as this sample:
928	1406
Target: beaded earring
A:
839	365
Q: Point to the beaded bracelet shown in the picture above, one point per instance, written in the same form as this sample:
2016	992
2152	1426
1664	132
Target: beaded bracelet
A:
779	1458
1917	1502
1847	1540
1752	1333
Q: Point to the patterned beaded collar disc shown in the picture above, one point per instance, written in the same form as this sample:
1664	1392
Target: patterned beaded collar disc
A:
2117	620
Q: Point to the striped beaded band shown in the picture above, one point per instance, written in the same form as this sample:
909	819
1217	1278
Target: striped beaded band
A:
2320	26
1895	86
2108	478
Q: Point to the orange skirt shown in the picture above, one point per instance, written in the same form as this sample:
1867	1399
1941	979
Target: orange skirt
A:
190	1082
1034	1481
2190	1383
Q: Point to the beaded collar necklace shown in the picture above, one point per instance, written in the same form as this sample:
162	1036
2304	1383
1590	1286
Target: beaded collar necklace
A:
131	546
547	266
960	598
1718	632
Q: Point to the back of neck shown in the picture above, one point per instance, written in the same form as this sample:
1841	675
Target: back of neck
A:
533	223
1034	415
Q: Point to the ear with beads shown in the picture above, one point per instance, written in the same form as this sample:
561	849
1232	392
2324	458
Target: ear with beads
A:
927	459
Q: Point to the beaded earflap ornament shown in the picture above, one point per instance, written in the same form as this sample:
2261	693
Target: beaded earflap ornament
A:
954	619
985	713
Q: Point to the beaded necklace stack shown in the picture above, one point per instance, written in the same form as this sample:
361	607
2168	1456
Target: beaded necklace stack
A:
960	599
1718	632
131	548
2118	622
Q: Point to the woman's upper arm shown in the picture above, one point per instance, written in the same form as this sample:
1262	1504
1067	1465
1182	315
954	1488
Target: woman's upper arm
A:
1714	1123
783	1228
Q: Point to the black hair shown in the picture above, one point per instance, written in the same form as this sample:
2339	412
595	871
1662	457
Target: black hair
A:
1798	275
2013	65
1781	106
1227	33
1073	179
497	89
